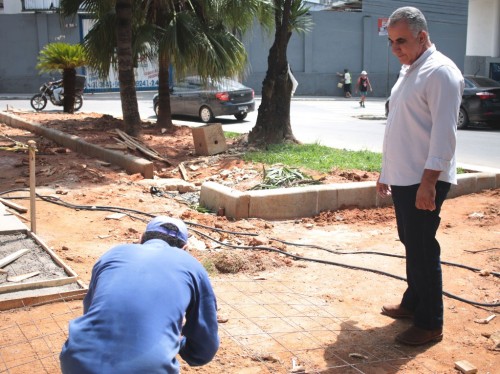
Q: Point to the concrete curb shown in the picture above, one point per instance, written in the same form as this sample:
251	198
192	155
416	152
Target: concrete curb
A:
298	202
131	164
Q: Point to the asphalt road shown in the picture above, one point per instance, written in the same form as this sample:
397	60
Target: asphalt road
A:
335	122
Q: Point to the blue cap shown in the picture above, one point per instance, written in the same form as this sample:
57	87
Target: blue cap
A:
156	224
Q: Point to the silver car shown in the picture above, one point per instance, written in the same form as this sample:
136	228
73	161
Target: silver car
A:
208	99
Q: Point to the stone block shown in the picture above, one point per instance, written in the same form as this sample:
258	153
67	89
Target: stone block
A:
209	139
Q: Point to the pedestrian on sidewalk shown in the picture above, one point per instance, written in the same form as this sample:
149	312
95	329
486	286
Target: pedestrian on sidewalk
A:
419	165
363	85
145	304
346	82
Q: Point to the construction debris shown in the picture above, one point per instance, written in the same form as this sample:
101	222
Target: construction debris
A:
117	216
12	257
183	172
19	278
358	355
19	208
485	321
465	367
280	176
134	144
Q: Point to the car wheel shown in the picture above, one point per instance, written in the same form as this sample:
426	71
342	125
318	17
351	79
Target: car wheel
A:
156	109
38	102
240	116
463	119
206	114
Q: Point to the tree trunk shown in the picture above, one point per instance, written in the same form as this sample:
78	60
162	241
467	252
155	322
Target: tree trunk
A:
273	120
164	118
69	80
128	95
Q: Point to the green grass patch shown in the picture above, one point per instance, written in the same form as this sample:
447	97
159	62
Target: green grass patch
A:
231	135
316	157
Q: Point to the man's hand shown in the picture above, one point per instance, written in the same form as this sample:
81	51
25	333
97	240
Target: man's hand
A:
426	193
426	197
383	189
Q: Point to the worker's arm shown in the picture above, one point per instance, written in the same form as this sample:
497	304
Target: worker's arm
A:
200	339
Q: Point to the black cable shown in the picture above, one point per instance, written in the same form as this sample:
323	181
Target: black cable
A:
60	202
354	267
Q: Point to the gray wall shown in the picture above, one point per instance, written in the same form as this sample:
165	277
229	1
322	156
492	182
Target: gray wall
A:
338	40
350	40
23	36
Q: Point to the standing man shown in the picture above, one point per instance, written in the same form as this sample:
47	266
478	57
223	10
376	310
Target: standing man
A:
419	165
138	297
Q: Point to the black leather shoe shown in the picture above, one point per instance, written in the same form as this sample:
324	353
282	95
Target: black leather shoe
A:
417	336
396	311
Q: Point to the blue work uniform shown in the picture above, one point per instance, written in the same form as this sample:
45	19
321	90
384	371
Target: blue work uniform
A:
138	297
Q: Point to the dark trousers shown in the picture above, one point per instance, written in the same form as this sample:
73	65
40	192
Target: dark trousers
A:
417	231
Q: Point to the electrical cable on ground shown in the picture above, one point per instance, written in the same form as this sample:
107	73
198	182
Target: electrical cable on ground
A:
128	212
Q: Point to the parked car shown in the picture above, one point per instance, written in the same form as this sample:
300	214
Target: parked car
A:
192	96
480	102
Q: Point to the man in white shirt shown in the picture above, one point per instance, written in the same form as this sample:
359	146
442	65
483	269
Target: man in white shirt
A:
346	81
418	166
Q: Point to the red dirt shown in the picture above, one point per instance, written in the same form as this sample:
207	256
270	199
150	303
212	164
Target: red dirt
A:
469	234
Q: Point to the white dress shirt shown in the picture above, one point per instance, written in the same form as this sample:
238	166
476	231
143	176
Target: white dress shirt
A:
421	127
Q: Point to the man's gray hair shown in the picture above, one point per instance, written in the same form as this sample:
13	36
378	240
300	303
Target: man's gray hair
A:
413	16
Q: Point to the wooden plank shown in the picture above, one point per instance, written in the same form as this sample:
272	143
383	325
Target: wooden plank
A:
10	204
12	257
35	285
43	299
21	277
183	171
17	215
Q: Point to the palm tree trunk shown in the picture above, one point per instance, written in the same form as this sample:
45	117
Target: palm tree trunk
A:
69	79
128	95
273	120
164	113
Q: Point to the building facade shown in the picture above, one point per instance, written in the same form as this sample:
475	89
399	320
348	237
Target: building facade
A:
346	34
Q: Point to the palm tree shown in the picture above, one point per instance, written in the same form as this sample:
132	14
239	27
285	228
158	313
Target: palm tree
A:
273	119
65	57
110	42
199	36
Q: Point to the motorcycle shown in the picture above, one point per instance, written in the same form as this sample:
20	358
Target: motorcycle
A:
39	101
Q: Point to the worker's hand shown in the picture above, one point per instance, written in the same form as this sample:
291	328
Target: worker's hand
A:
426	197
383	189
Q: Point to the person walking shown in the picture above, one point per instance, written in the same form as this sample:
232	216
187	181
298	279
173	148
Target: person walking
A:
346	81
419	165
145	304
363	85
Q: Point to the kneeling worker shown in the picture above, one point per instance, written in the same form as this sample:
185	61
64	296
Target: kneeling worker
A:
138	298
